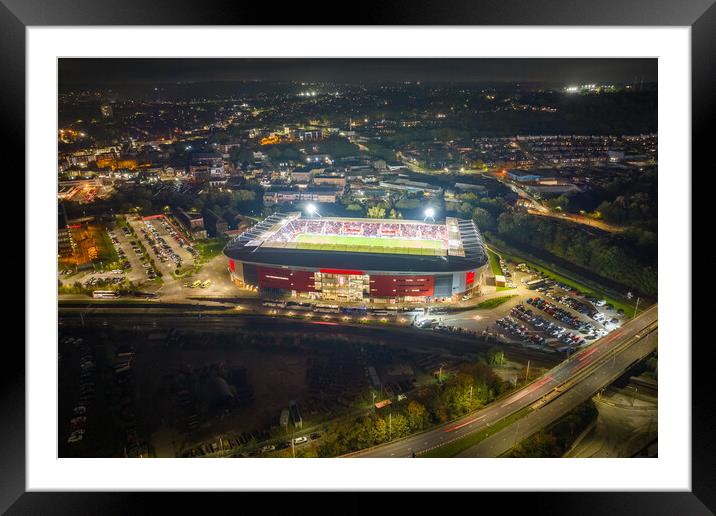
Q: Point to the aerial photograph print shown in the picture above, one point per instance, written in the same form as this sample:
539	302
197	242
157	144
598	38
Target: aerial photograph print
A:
357	257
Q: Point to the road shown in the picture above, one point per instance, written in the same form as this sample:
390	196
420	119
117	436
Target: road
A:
577	219
605	374
606	357
539	209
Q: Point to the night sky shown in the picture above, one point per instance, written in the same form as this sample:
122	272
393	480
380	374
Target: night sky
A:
109	72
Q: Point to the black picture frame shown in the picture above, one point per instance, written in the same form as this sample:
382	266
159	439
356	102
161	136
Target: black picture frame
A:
700	15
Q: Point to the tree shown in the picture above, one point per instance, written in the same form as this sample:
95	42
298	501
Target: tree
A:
560	203
495	356
376	212
381	152
464	208
380	430
418	417
460	395
478	165
542	444
244	196
337	147
625	259
241	155
468	197
484	219
408	204
495	206
284	152
399	426
441	412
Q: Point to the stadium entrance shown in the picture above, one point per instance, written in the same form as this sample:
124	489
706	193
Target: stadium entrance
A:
342	285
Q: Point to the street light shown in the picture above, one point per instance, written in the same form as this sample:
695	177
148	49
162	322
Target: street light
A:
311	209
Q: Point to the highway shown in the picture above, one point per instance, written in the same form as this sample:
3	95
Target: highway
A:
604	374
579	377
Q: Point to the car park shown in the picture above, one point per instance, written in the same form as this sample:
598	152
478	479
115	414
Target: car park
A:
520	331
554	311
544	326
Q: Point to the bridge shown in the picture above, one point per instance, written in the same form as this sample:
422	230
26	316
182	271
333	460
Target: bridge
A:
496	428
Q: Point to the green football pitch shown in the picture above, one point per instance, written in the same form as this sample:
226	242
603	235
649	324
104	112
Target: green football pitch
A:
370	245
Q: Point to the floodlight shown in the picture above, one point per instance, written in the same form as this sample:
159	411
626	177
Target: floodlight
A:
311	209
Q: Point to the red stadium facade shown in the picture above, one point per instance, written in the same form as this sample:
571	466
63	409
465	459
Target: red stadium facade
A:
354	285
401	286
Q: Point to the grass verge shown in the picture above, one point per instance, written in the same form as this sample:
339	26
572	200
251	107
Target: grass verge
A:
494	263
584	289
210	248
492	303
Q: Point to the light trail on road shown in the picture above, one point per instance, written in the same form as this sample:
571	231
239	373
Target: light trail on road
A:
562	374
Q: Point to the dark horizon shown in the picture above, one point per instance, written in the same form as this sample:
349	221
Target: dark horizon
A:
107	72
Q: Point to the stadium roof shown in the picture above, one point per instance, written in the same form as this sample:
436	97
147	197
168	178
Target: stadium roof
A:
248	247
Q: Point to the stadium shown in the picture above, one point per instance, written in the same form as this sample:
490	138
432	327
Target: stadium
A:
359	260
